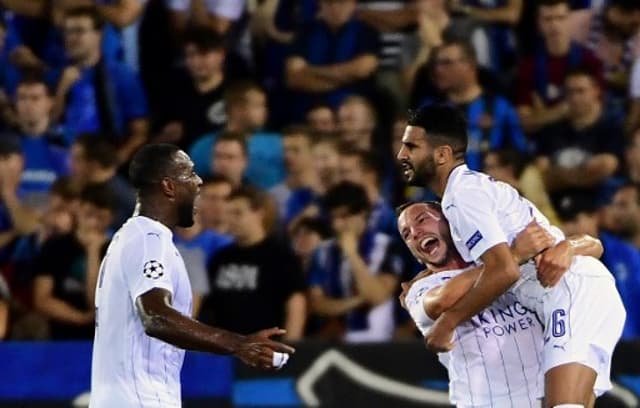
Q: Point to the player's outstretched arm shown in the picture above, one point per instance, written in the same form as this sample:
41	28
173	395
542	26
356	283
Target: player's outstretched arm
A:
163	322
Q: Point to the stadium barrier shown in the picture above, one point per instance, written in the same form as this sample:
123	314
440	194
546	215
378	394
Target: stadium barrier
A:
400	374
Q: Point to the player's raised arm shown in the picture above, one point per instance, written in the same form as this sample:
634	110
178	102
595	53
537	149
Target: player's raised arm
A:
163	322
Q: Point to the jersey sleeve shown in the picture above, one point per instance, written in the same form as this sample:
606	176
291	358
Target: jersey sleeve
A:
146	265
415	302
474	225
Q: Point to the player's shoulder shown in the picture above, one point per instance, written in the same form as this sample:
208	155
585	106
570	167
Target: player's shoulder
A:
145	229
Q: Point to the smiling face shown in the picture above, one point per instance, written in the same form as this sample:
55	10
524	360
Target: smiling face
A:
425	231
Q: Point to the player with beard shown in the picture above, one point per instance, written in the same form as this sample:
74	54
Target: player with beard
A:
503	342
143	297
577	297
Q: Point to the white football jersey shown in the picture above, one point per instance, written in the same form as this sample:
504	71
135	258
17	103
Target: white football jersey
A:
130	368
496	358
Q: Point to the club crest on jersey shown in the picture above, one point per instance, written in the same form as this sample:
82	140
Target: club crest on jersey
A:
475	238
153	269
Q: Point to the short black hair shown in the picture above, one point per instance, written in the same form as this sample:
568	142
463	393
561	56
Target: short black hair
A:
33	77
625	5
151	164
100	195
444	124
314	224
467	49
551	3
215	179
203	38
98	148
572	202
583	71
347	194
238	137
431	204
511	157
297	130
256	197
86	11
65	188
369	161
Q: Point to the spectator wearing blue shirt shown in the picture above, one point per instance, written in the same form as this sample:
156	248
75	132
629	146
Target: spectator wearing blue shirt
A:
623	214
97	95
331	57
579	212
492	121
246	107
352	278
298	161
362	167
44	158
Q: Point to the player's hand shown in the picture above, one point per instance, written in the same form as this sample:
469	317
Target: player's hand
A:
439	338
553	263
407	285
530	242
258	348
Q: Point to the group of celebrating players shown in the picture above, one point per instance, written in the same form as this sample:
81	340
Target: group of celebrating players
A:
520	315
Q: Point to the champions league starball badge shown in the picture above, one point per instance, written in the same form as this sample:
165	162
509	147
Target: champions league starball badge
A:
153	269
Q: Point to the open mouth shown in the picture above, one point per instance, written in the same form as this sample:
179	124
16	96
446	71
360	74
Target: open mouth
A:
429	245
407	168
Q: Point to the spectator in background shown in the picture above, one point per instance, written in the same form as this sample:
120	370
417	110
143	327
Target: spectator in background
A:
67	267
5	301
321	118
306	201
492	121
511	167
44	158
611	33
230	158
540	81
196	104
633	117
584	149
216	15
318	75
623	214
632	157
306	236
357	123
94	94
94	161
579	213
212	207
352	278
8	77
497	19
247	112
256	281
362	167
298	162
198	246
394	20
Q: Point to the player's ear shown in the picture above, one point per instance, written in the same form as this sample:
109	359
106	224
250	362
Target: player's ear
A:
442	154
168	188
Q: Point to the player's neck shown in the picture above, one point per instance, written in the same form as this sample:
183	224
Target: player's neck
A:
453	264
156	211
439	182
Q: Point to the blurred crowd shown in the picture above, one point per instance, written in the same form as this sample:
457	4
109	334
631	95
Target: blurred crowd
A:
292	111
